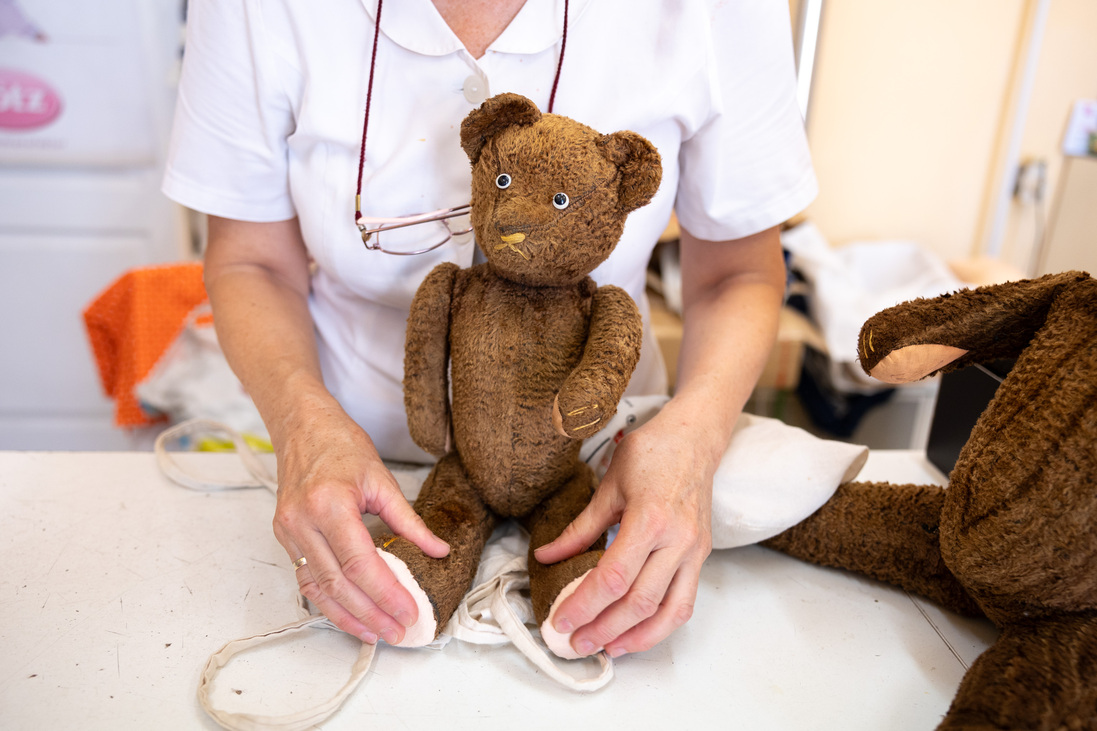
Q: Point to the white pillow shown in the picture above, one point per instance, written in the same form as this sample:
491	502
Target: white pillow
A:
772	475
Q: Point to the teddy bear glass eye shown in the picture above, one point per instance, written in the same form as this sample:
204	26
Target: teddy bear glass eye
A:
561	200
503	181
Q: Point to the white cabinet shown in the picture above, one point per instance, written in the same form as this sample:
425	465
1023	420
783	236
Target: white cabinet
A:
79	199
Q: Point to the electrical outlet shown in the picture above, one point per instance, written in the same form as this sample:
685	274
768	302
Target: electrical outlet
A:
1031	181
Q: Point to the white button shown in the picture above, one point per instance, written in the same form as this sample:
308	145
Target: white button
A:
476	89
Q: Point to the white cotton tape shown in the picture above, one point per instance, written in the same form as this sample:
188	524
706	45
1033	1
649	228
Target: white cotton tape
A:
291	721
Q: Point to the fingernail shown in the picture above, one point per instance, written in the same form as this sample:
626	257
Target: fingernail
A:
616	652
403	618
368	637
586	647
389	635
563	625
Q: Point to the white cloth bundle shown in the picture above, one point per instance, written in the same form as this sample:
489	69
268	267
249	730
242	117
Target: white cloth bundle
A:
772	475
851	283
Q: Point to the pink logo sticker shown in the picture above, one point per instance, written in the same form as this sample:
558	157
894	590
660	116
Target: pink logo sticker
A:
26	102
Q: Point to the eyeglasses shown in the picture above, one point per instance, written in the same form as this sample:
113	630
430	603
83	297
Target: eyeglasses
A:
371	228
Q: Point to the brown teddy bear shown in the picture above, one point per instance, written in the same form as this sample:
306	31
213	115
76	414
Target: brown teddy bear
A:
537	355
1013	537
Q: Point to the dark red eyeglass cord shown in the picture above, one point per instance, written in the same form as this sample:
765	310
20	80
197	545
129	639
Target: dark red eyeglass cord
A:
369	96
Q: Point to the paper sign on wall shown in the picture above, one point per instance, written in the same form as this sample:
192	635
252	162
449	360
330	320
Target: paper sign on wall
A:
1080	139
75	85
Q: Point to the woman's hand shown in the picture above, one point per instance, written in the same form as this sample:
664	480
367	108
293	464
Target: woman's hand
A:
659	484
329	475
659	487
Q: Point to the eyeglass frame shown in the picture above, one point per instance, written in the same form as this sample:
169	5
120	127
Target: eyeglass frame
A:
380	224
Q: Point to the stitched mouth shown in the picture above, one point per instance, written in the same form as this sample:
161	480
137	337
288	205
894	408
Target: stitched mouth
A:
511	241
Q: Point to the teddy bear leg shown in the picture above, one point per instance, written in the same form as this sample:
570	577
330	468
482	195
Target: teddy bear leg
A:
451	508
551	584
1038	675
888	532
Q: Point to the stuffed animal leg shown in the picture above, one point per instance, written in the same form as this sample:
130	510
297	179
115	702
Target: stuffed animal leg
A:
452	509
884	531
1038	675
551	584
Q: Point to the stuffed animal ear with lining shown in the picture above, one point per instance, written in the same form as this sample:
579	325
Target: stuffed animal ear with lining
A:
511	363
1012	537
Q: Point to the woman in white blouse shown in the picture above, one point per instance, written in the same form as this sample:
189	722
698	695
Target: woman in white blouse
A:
268	137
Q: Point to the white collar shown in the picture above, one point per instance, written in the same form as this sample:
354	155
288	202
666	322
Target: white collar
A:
417	26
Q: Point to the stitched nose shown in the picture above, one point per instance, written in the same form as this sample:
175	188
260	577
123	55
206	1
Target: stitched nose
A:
520	215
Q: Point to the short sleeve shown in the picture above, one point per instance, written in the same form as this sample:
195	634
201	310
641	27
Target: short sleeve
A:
228	151
747	168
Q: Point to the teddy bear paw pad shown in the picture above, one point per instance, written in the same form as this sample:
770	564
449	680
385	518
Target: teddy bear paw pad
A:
560	642
426	627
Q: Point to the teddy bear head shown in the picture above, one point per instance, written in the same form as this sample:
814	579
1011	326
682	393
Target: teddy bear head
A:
550	195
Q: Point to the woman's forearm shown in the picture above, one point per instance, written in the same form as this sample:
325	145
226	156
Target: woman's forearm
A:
732	294
256	276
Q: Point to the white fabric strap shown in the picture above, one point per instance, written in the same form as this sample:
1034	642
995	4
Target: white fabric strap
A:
261	476
474	621
495	612
520	635
290	721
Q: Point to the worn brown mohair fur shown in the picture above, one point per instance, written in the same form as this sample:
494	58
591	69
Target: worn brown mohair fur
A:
1013	535
510	364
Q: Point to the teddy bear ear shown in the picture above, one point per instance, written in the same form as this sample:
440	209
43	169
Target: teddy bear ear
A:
493	116
640	165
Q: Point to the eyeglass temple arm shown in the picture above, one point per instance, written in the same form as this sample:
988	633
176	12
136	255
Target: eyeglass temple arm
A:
385	224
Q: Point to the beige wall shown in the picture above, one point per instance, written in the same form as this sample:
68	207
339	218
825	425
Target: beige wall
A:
1067	71
1072	235
904	117
912	108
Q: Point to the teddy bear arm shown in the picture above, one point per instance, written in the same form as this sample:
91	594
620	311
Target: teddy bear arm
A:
426	359
591	392
926	336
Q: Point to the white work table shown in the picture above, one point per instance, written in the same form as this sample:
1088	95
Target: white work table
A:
117	585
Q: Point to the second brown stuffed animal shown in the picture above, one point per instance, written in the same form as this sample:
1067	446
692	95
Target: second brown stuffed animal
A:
537	356
1013	535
